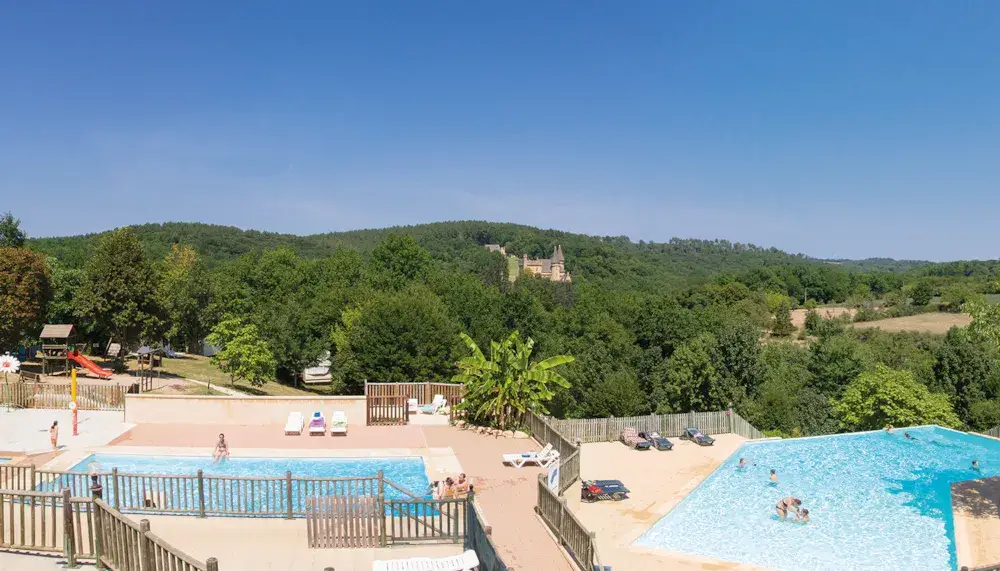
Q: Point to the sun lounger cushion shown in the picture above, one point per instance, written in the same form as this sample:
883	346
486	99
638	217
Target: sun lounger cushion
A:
630	437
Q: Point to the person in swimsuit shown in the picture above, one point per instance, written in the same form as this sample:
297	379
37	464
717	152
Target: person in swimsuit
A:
889	428
463	485
221	449
786	504
742	465
54	435
975	465
774	477
802	516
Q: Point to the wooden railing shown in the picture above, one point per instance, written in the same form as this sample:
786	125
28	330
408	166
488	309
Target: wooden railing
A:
89	397
423	392
993	567
84	528
479	538
386	410
669	425
545	432
420	521
571	533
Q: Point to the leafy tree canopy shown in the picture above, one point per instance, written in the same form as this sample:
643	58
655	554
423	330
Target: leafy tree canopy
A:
887	396
25	293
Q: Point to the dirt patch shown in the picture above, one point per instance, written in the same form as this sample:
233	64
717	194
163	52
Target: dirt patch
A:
923	323
181	387
799	315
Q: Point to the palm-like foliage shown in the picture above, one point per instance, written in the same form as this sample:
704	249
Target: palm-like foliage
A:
501	389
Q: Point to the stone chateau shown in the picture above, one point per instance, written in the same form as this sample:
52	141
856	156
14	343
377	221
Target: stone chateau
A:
553	268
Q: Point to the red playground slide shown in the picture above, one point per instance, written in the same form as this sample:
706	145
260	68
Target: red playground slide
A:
89	365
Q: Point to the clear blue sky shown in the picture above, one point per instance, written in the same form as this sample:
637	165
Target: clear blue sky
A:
839	129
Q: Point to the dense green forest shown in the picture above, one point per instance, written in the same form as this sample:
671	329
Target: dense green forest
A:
652	327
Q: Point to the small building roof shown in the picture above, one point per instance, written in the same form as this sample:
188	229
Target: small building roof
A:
147	350
52	331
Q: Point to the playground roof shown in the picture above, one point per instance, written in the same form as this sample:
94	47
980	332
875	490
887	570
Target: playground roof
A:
146	350
51	331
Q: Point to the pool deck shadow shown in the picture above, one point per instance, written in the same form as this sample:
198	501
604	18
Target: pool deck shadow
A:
977	521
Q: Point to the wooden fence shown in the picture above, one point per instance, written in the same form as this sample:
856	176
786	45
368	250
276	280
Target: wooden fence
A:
423	392
669	425
545	432
36	395
345	521
580	543
479	538
84	528
386	410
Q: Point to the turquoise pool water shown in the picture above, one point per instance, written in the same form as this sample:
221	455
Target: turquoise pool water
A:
407	472
876	501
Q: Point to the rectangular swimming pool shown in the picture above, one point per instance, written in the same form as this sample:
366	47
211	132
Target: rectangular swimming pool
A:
257	486
876	501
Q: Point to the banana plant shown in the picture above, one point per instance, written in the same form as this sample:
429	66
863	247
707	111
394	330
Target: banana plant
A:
503	387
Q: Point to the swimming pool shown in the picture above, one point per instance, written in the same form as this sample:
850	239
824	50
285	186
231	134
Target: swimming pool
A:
876	501
222	493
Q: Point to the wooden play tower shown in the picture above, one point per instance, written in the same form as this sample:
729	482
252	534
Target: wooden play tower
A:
56	341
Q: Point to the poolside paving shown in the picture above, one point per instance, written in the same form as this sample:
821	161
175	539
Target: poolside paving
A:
26	431
658	481
507	495
977	521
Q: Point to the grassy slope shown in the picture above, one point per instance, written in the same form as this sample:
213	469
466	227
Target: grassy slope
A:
201	369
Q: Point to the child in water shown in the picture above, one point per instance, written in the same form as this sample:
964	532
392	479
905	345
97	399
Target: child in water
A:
742	465
802	516
774	477
975	465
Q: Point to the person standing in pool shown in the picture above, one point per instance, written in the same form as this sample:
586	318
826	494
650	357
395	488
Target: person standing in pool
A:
975	465
742	465
221	449
786	504
774	477
802	516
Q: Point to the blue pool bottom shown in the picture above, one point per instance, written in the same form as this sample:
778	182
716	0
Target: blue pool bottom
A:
876	501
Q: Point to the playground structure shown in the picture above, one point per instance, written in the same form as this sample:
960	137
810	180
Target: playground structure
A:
59	348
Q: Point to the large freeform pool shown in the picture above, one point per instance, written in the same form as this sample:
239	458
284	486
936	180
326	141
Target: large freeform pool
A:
182	494
876	501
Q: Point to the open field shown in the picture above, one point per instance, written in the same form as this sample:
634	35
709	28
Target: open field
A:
201	369
923	323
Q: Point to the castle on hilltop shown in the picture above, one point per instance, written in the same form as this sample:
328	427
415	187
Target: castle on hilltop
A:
553	268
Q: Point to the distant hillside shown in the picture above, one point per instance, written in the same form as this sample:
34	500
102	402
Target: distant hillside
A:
610	260
880	264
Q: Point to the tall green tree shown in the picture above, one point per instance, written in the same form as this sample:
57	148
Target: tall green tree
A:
11	235
243	353
887	396
500	389
691	374
402	336
118	294
922	292
397	261
783	326
183	294
25	292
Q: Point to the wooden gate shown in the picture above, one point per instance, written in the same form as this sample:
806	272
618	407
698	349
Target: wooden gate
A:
344	521
383	410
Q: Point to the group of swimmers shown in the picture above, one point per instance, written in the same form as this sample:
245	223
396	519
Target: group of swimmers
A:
908	436
451	488
786	504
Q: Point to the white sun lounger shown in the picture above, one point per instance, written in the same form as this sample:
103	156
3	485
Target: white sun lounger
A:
464	562
435	405
295	423
317	424
338	423
543	457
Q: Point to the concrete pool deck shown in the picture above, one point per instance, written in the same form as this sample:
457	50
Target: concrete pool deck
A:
506	495
26	431
977	521
658	481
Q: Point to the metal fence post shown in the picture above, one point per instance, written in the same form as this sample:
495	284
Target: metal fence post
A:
69	538
201	493
288	494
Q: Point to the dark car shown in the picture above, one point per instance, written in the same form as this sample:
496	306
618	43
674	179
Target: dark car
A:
660	442
696	436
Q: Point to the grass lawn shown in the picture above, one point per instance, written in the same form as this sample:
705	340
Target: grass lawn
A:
201	369
181	387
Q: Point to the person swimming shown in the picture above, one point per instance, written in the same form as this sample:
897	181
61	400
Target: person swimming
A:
742	465
774	477
975	465
888	428
786	504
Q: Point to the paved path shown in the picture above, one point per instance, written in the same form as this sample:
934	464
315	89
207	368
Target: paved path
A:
222	389
17	562
507	496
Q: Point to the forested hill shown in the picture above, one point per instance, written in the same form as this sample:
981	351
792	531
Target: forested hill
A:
678	262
